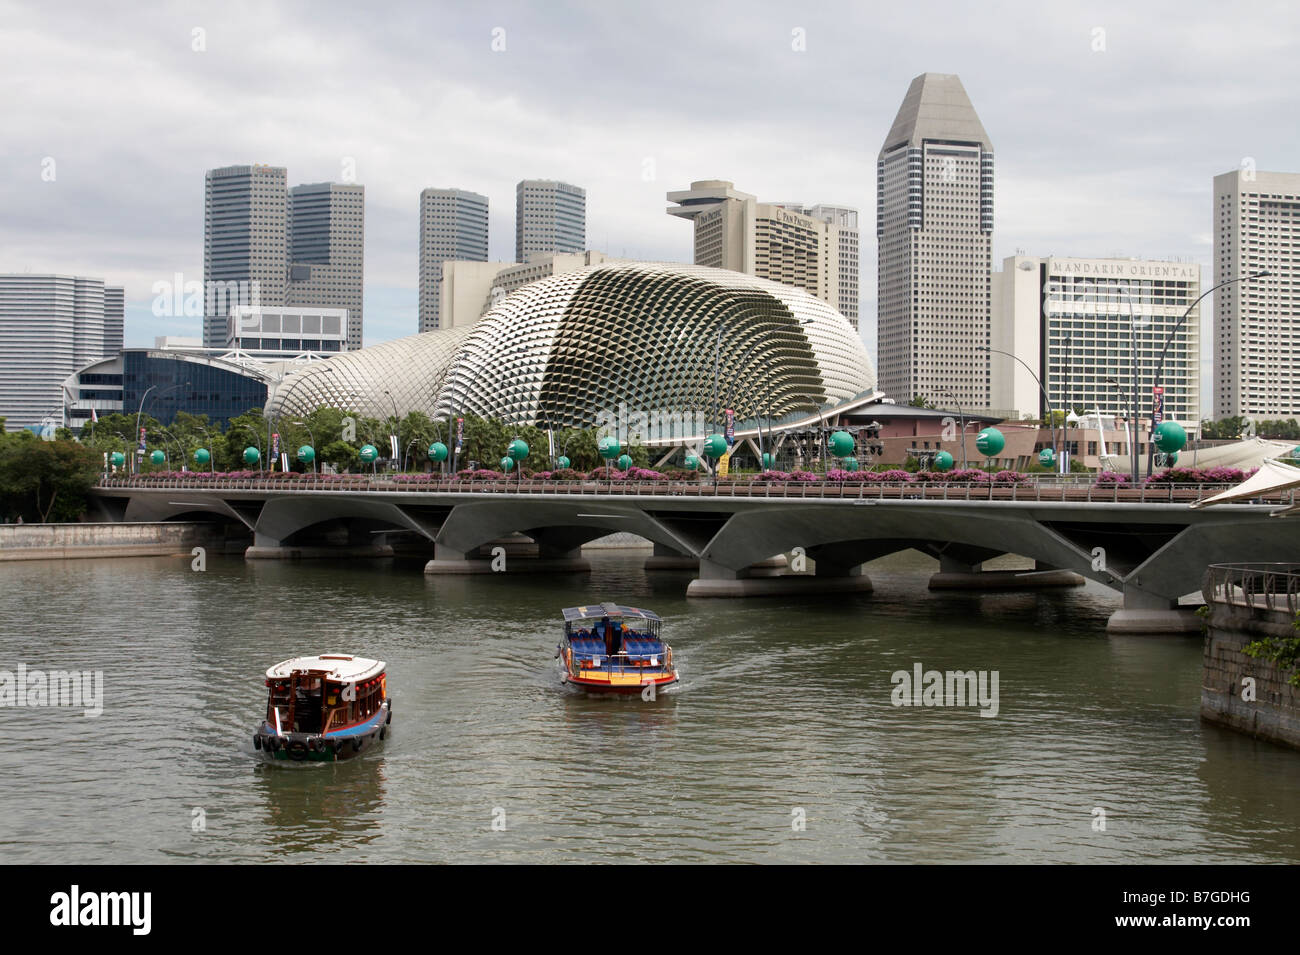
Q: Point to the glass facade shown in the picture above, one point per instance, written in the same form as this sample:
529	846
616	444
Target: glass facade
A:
193	387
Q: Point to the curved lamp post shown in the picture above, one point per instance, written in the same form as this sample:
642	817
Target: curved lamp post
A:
1169	340
1051	414
961	414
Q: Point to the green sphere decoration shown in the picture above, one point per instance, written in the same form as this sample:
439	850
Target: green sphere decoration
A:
202	456
943	461
562	462
624	462
369	452
252	455
518	449
841	444
157	457
1170	436
438	451
715	446
609	448
1295	452
118	459
769	459
692	463
850	464
990	441
507	464
306	454
1047	457
1171	458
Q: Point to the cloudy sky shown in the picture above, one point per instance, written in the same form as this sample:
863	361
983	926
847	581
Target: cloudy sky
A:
1108	122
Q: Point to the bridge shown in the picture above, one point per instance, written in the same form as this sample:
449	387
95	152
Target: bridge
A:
1145	543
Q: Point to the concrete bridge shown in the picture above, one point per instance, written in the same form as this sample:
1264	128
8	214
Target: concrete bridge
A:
1146	544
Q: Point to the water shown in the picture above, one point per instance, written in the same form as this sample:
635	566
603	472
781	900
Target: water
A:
783	717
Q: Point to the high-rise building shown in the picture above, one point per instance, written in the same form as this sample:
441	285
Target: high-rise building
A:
326	239
815	249
50	325
114	319
453	228
934	231
267	245
245	242
1076	323
1257	323
550	217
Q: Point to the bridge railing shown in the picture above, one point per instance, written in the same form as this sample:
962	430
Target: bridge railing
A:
1027	492
1257	586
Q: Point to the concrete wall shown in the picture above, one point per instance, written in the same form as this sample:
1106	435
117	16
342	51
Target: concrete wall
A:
1274	714
60	541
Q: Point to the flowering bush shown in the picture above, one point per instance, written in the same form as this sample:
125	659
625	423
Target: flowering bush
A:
644	474
481	474
839	475
968	476
1010	477
896	476
1110	479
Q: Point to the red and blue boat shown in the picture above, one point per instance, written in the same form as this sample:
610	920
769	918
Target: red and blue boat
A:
610	648
324	708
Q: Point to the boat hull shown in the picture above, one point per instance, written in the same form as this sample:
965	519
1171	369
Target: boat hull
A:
324	748
596	681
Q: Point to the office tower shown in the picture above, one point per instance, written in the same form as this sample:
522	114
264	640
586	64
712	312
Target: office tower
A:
815	249
245	253
114	319
453	227
1075	323
326	248
1257	323
50	325
934	229
549	217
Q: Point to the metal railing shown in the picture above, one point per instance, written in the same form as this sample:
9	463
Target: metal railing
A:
1257	586
1027	492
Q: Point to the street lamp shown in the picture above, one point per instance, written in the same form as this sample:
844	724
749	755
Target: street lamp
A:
1160	365
397	427
314	459
961	414
1051	415
1132	443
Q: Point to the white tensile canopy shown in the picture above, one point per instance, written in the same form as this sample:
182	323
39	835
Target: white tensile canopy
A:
1272	476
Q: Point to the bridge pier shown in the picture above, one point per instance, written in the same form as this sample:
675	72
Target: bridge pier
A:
955	574
265	547
665	558
718	581
550	561
1148	613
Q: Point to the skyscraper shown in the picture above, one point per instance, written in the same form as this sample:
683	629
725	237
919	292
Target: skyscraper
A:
326	238
453	227
934	228
815	249
549	217
50	325
1257	323
245	254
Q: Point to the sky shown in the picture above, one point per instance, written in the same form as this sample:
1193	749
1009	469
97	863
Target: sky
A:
1108	120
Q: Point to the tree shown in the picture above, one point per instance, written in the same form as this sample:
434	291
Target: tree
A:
920	401
45	480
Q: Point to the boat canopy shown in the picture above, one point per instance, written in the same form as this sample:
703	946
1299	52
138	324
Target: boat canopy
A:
339	667
600	611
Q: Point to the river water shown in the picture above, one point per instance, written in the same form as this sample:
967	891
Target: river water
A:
781	744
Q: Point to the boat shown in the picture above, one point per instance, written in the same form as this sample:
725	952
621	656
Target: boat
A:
324	708
610	648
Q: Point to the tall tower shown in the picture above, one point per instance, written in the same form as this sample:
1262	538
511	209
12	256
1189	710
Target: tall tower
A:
245	212
1257	324
813	249
326	240
934	228
549	217
453	228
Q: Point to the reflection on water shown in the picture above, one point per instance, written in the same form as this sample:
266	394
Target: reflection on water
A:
780	744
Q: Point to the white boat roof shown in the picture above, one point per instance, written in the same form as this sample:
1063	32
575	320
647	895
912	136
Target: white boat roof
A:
335	666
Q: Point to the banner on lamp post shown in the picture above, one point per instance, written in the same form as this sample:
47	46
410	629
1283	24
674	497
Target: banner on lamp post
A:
1157	404
730	432
460	435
